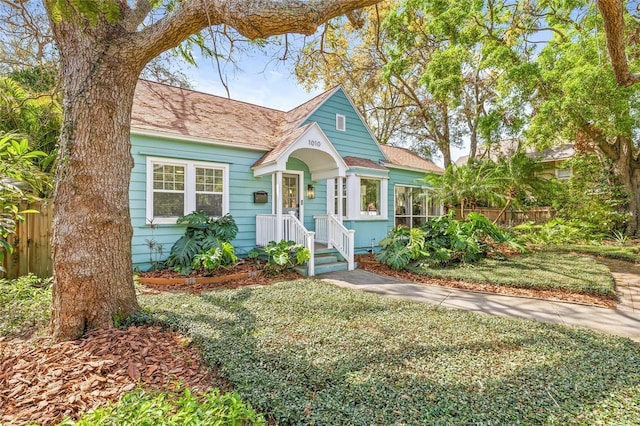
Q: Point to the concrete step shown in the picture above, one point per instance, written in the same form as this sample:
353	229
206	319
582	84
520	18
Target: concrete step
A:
329	252
324	268
326	258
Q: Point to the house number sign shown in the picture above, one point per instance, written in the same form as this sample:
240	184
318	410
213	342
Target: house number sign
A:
314	143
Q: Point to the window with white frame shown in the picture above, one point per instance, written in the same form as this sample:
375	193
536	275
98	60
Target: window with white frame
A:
341	122
413	206
370	197
178	187
362	197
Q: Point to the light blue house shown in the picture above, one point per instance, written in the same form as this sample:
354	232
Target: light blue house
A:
315	174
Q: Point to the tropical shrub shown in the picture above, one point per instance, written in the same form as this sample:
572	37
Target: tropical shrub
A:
558	231
20	179
201	235
215	257
593	197
284	255
442	241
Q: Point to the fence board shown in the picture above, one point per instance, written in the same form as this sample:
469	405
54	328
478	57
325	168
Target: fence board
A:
514	217
31	242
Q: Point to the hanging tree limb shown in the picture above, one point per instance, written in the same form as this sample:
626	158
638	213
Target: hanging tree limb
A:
612	15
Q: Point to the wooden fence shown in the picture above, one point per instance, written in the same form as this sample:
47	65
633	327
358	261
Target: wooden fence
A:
31	247
514	217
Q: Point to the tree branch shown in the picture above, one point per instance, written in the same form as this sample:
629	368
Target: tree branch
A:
135	16
251	19
612	16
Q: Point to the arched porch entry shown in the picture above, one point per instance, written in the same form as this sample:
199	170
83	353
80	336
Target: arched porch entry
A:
309	145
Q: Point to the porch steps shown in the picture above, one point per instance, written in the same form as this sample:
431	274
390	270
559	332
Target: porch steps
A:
325	261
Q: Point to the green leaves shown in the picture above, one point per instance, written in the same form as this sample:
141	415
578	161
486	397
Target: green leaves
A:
203	236
442	241
146	407
284	255
215	257
25	305
93	11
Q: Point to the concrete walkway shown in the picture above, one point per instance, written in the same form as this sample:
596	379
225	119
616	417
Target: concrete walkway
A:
622	322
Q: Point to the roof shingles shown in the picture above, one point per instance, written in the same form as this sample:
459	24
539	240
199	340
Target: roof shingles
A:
172	110
403	157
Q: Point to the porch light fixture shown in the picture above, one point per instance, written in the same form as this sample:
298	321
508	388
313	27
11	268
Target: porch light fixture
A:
311	192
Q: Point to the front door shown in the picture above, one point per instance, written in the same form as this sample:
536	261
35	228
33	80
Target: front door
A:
291	199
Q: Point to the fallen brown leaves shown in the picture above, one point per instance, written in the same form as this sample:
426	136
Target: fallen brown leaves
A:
46	382
368	263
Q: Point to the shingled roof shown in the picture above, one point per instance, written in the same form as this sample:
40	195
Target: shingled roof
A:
173	110
404	158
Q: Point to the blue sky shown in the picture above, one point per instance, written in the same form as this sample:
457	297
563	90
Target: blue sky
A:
262	80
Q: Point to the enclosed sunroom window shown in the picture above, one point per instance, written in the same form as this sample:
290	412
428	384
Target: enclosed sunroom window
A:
413	206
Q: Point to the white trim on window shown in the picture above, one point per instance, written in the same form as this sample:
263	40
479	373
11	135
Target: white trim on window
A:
189	191
430	209
352	183
341	123
354	197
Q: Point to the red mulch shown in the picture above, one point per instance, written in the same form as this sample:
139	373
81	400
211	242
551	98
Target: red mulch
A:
43	382
368	263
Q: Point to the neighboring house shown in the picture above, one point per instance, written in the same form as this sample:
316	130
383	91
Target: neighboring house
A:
315	174
551	159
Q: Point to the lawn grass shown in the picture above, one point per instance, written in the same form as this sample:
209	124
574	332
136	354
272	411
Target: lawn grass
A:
629	253
540	270
306	352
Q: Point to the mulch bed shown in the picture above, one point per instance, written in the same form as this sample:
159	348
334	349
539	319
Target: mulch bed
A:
44	382
256	270
368	263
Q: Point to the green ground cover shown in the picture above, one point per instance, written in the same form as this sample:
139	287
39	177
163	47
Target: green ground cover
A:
150	408
630	253
540	270
25	305
306	352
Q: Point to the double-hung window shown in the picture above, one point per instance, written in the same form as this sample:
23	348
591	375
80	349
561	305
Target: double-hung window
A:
178	187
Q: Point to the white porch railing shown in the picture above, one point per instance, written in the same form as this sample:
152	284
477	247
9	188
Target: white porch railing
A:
322	228
292	230
341	238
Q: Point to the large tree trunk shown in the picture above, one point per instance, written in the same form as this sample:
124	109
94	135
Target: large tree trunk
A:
628	171
622	152
91	241
612	12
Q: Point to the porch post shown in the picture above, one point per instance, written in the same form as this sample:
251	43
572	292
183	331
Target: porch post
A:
278	201
339	195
